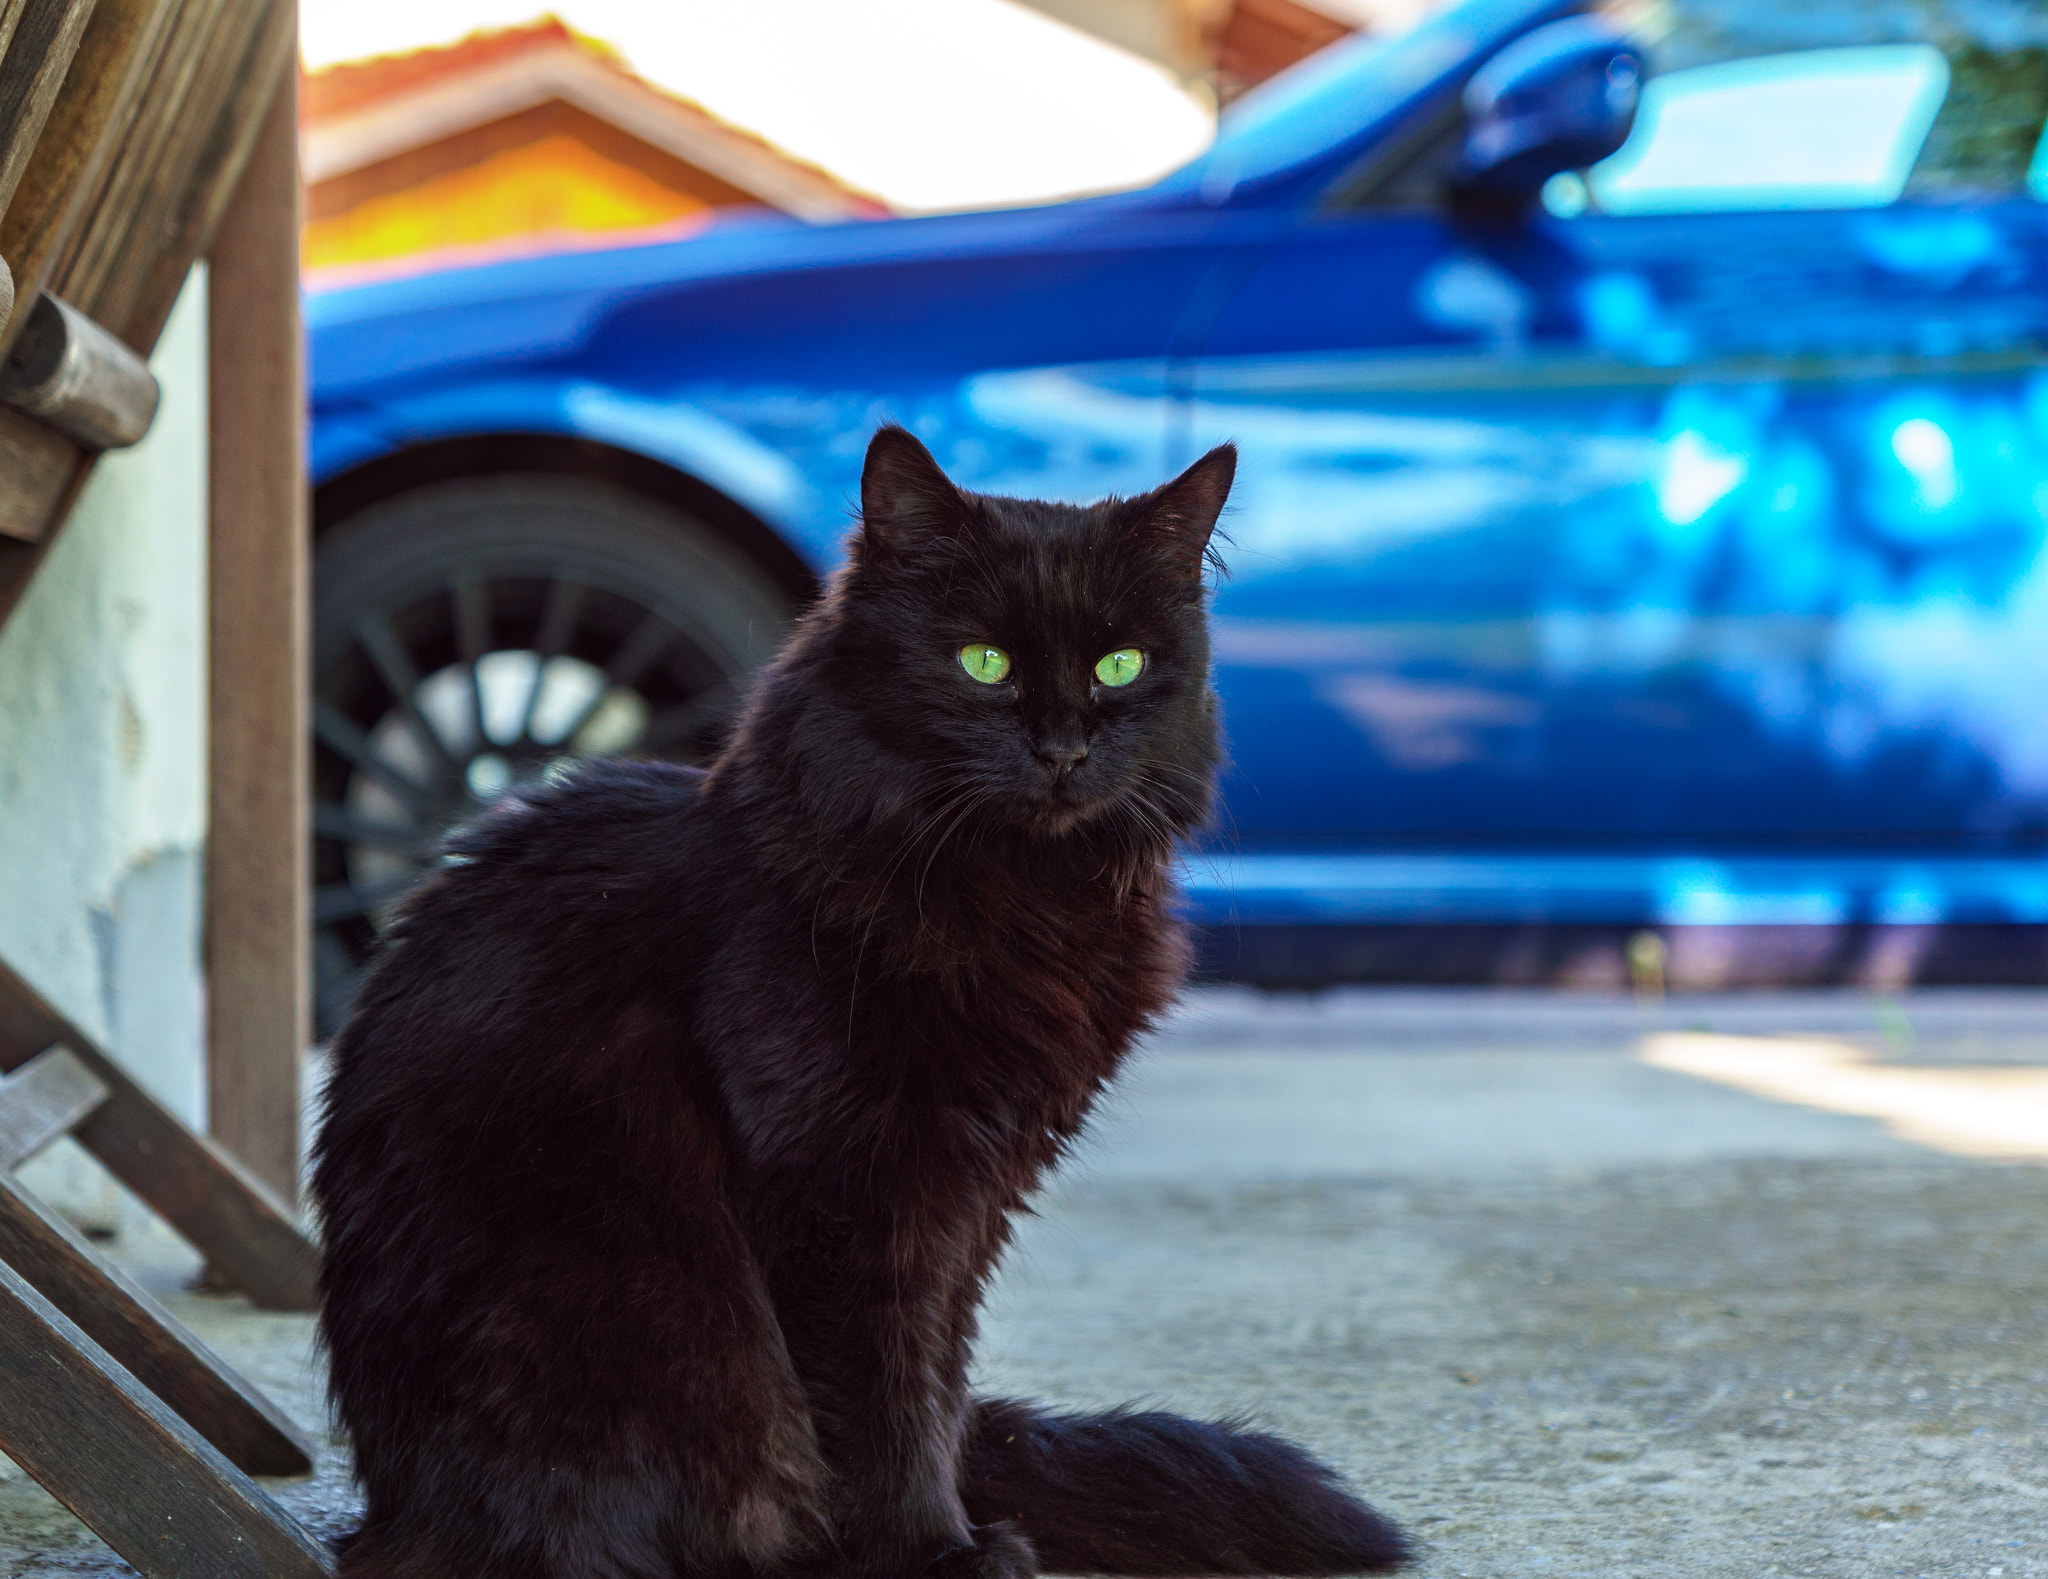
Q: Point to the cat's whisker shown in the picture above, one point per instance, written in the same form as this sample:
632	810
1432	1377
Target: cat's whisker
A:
939	844
956	801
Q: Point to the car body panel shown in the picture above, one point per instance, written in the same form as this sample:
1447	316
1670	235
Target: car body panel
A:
1669	574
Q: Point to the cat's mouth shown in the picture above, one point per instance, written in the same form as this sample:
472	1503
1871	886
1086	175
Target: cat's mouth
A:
1052	819
1063	804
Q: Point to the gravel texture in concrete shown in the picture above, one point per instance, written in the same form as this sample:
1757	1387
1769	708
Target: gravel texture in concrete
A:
1558	1308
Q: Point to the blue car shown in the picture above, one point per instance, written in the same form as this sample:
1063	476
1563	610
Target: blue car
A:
1644	421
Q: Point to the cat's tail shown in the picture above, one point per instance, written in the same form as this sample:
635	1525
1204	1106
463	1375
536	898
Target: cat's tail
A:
1159	1496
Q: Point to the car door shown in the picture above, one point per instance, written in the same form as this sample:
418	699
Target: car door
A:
1695	522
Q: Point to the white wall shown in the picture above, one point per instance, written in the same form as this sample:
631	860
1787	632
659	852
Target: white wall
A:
103	753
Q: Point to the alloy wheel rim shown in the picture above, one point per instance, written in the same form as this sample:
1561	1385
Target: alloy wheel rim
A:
467	690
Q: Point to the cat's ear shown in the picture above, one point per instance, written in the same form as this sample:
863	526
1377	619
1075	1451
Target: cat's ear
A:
906	502
1179	517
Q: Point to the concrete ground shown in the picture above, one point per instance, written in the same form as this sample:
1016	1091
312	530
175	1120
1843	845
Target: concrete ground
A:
1735	1285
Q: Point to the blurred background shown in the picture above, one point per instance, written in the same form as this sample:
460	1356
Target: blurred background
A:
1636	568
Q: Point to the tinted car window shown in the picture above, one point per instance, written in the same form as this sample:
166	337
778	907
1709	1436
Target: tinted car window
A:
1782	104
1816	128
1761	104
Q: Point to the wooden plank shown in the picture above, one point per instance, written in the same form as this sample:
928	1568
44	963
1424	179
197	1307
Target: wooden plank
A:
142	1479
245	1232
188	121
130	190
147	1340
259	1015
10	18
180	165
42	1100
99	100
32	70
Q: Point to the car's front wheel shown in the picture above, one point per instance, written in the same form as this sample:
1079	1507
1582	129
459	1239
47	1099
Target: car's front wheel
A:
475	634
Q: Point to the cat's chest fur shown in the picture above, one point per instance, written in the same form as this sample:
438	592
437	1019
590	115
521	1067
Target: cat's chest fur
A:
906	1068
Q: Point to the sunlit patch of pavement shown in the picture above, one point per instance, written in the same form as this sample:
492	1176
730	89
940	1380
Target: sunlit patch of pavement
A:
1973	1112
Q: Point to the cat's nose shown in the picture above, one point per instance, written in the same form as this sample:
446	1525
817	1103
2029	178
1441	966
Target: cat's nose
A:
1062	758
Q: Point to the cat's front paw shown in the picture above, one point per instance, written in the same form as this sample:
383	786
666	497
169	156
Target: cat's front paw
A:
1000	1551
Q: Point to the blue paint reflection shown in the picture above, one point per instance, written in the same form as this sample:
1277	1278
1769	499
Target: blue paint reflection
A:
1248	889
1752	611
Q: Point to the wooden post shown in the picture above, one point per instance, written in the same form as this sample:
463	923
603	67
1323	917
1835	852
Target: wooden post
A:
258	1017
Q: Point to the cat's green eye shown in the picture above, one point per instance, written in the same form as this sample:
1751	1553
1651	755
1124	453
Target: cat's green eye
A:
1120	667
985	663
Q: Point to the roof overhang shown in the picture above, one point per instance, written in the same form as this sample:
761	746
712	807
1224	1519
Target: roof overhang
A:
336	145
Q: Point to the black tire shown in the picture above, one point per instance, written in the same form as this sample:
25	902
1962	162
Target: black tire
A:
474	634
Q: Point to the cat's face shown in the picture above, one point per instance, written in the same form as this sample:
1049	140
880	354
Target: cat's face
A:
1041	665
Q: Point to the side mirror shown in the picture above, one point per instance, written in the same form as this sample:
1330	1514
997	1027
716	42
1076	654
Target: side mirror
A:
1560	98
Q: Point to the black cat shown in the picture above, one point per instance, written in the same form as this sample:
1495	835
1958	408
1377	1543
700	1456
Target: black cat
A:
669	1151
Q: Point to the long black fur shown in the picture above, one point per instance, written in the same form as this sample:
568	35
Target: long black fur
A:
670	1149
1156	1494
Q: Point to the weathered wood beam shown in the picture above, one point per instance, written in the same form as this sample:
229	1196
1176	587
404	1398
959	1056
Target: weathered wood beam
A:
148	1341
131	216
45	1098
43	36
148	1484
10	18
231	1217
259	1015
179	164
99	99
